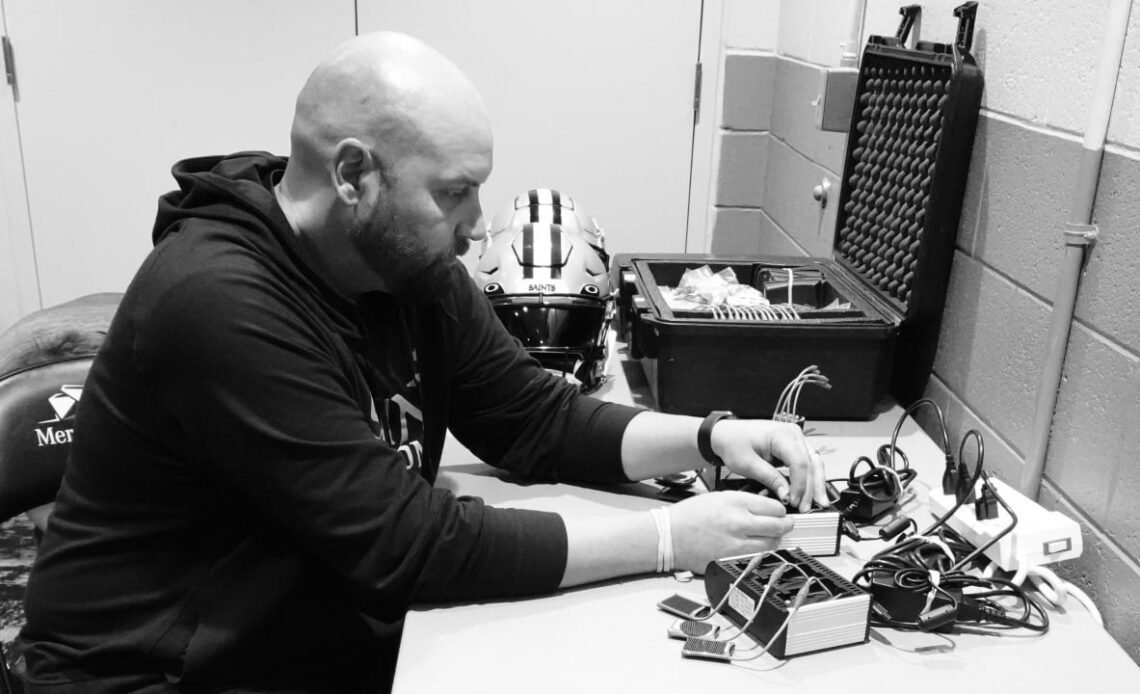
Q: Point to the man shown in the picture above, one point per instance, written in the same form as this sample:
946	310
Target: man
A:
248	504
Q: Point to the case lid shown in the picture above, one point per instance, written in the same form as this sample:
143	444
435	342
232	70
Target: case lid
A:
908	153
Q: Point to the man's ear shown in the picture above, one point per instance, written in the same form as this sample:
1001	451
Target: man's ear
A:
354	169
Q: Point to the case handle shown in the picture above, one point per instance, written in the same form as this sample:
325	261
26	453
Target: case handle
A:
909	14
966	13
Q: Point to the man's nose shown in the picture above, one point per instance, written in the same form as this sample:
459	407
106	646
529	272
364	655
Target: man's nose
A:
477	230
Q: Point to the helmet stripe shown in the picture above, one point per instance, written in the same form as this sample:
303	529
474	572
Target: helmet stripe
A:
528	250
533	195
555	247
556	202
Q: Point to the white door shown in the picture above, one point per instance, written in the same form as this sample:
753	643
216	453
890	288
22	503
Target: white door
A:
111	93
593	97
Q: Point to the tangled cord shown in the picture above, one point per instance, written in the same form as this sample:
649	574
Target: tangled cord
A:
934	563
882	481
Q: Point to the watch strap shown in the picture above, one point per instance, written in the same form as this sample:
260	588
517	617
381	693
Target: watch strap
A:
704	435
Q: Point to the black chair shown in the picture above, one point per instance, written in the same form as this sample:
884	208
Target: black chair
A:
44	360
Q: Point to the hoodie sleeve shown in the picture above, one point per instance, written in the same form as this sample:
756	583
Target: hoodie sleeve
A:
272	411
513	414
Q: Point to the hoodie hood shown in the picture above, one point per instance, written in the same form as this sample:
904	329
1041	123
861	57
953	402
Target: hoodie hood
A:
237	190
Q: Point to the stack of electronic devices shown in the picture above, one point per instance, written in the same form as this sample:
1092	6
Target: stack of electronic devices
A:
835	612
869	316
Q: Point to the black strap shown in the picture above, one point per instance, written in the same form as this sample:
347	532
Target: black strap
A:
704	435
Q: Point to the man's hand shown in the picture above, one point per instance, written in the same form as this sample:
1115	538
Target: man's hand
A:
707	527
658	444
750	447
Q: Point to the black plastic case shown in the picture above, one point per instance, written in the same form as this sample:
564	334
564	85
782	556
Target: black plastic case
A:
908	152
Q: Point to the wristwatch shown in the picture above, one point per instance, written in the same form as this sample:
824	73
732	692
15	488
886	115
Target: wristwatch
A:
704	435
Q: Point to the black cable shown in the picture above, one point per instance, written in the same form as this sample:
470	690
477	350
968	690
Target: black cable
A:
877	484
931	564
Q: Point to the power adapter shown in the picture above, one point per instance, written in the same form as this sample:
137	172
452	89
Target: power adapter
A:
861	508
909	606
1041	536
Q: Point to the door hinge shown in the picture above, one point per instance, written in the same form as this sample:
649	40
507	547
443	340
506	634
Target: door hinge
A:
697	95
9	62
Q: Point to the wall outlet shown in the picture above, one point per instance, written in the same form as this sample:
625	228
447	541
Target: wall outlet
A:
1041	536
836	98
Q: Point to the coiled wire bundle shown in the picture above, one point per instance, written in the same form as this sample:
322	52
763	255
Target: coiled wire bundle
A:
769	312
788	404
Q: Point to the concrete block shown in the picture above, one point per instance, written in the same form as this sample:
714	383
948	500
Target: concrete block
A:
991	347
788	199
815	30
1109	295
1106	571
797	19
750	232
1095	431
1000	457
1124	489
743	162
1039	57
1021	201
797	86
748	81
751	24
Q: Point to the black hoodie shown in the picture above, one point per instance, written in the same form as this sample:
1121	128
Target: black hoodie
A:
237	512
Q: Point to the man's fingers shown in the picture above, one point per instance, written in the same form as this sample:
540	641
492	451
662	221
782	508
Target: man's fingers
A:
821	497
768	526
762	471
768	517
761	505
797	455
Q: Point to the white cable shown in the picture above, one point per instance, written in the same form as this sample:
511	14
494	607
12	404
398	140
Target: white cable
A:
773	578
1055	589
748	568
1083	598
801	597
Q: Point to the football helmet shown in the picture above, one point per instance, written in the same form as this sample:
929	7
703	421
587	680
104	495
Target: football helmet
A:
545	270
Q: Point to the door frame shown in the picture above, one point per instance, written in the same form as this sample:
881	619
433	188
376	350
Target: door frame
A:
706	152
19	278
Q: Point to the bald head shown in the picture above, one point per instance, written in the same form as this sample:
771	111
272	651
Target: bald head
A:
392	92
390	145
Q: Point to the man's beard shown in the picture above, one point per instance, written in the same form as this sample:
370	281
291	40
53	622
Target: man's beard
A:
393	250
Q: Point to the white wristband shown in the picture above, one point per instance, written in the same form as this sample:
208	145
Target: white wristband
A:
664	538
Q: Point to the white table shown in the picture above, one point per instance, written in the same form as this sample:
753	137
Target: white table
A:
610	637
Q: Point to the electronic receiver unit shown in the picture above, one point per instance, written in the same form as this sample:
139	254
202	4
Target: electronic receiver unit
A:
835	612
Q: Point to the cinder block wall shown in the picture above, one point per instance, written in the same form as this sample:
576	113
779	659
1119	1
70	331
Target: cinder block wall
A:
771	154
1039	60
